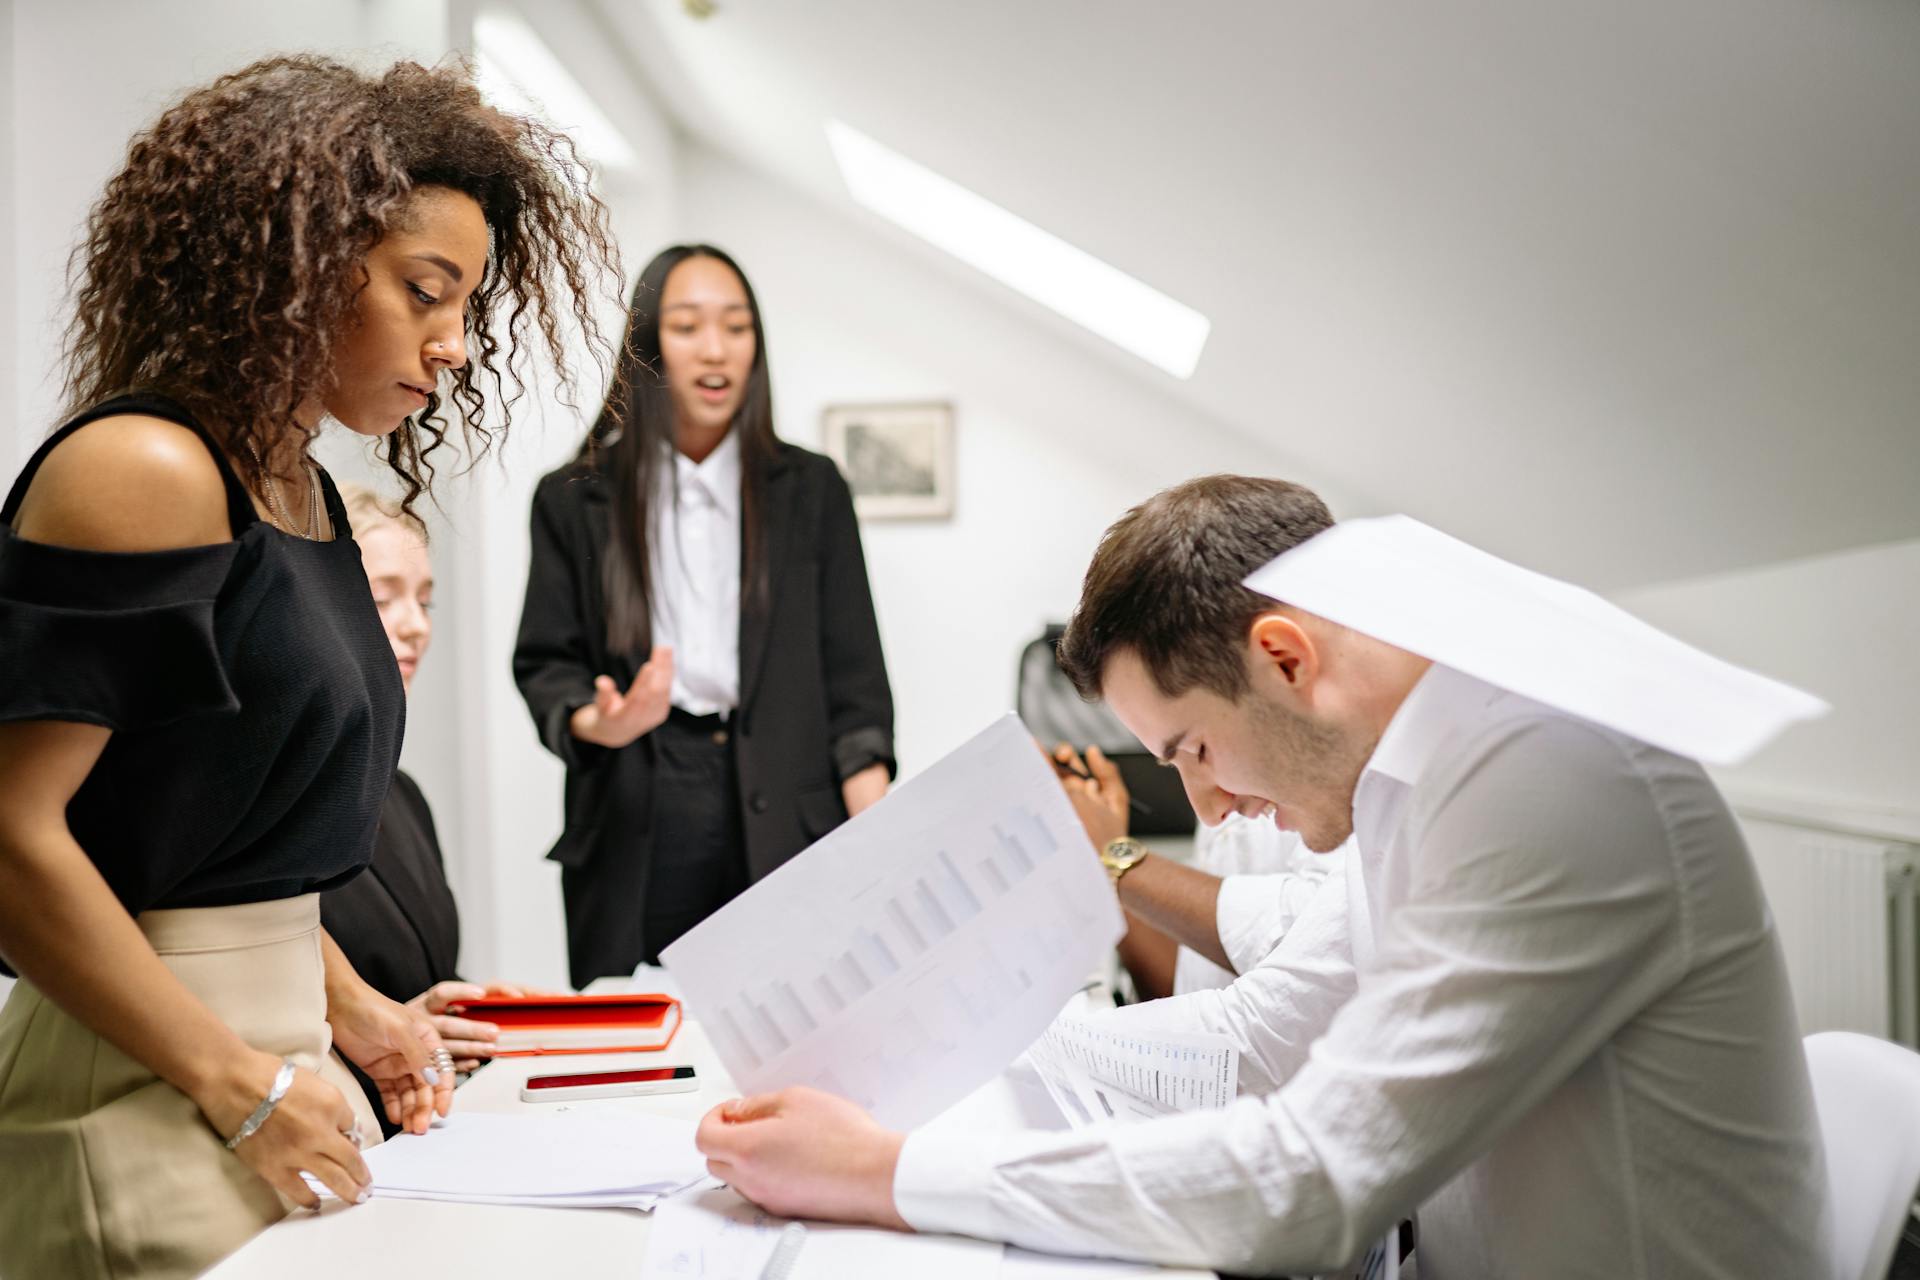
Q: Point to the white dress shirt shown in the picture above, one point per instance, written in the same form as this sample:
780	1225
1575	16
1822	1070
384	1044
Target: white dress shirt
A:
1267	878
694	559
1556	1022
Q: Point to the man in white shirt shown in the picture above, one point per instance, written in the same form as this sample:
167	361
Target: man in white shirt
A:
1556	1024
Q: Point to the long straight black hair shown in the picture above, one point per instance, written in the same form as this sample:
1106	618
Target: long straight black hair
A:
633	439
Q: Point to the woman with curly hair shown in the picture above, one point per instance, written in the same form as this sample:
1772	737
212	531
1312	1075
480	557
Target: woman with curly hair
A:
202	714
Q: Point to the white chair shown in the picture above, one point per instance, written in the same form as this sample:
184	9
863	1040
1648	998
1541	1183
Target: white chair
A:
1868	1094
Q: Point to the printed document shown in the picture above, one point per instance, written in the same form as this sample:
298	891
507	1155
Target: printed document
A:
913	953
1097	1072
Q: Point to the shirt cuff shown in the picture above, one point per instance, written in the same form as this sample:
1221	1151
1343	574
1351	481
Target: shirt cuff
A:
941	1181
1249	918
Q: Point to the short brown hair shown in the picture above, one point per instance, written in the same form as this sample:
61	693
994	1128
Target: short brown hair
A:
1165	582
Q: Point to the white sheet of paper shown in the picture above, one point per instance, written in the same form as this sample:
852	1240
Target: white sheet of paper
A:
715	1235
612	1155
1418	589
914	952
1098	1071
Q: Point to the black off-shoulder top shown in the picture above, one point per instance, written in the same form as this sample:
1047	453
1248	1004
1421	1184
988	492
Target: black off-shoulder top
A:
255	702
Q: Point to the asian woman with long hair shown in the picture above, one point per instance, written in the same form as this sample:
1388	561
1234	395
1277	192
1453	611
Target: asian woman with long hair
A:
698	643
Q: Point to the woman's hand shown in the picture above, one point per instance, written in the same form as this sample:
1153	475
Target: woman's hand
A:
614	719
310	1129
471	1042
395	1046
864	789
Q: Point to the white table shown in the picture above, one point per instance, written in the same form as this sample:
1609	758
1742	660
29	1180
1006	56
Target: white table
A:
428	1240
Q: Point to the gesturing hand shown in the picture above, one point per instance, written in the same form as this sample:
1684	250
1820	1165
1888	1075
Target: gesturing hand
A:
801	1153
613	719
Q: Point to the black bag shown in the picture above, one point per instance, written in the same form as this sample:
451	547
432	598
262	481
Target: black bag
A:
1054	711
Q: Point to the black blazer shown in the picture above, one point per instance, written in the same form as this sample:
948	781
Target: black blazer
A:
396	921
815	706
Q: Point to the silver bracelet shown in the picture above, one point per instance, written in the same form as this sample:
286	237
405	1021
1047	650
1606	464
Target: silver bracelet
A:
282	1081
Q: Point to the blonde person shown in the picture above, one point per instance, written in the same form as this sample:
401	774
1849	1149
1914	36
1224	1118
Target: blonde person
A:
202	713
398	923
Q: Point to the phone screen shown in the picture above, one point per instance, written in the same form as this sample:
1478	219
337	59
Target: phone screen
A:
642	1076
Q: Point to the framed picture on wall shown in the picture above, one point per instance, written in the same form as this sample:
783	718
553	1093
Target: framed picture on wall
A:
898	458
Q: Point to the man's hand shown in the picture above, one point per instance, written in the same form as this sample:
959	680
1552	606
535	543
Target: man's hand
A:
614	719
1099	798
801	1153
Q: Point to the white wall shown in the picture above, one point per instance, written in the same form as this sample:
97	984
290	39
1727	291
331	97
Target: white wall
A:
1844	626
1051	444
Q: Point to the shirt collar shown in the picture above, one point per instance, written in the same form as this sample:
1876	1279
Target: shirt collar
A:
1439	703
717	475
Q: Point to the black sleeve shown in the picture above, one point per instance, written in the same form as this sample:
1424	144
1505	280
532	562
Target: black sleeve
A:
122	640
553	655
859	700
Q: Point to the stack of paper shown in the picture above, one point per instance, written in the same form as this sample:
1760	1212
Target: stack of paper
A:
570	1160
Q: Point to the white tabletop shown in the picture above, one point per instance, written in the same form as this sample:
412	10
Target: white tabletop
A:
432	1240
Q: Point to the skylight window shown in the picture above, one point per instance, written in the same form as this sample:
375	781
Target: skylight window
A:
517	71
1093	294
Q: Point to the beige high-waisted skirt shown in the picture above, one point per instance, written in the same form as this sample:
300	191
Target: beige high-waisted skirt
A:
108	1171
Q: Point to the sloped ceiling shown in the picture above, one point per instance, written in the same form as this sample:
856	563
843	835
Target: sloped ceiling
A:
1628	290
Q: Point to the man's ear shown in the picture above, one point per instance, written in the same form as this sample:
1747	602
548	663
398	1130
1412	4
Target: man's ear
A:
1280	642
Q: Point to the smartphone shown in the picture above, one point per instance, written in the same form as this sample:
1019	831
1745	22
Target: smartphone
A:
609	1084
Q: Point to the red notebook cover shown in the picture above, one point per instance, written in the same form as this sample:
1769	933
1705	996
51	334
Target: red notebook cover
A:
623	1023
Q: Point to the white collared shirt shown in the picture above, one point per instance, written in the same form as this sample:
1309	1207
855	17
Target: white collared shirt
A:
1268	877
694	559
1555	1021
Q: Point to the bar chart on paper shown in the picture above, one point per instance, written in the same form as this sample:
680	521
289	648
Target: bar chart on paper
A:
914	952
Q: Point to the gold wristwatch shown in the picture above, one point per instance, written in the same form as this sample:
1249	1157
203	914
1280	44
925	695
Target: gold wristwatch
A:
1121	856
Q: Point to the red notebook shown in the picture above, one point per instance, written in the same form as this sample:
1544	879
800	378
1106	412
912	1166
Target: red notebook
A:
575	1024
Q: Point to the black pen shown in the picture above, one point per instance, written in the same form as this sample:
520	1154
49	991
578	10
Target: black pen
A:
1079	771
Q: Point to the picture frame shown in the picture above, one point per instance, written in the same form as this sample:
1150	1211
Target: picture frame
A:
897	458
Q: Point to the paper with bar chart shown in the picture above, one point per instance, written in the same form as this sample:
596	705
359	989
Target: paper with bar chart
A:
913	953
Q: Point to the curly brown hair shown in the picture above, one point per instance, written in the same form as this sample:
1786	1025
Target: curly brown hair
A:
225	258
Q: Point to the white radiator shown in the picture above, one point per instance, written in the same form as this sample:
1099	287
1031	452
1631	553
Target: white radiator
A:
1844	902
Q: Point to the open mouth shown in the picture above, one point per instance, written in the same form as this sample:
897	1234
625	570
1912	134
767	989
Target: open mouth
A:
713	387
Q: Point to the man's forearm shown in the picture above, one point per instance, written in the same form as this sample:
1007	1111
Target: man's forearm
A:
1179	901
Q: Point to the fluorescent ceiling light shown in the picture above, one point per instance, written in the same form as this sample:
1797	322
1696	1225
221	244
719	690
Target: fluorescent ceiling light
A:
1087	291
517	71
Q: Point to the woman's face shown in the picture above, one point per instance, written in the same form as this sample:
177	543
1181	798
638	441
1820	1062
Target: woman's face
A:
402	580
411	318
706	348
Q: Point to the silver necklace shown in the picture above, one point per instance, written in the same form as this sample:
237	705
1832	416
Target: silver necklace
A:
278	509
